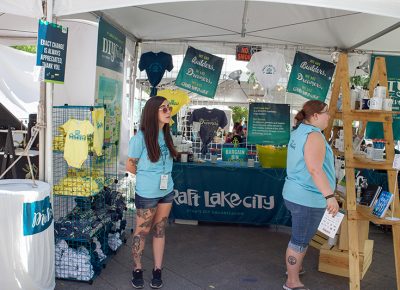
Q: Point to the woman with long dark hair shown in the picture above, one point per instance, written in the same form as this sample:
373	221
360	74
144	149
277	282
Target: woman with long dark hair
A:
309	186
150	156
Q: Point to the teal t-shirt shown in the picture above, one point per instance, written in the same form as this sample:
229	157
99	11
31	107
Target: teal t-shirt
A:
299	186
148	174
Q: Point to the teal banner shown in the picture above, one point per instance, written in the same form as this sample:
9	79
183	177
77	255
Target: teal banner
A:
52	50
37	216
200	72
110	47
214	193
374	130
269	124
234	154
310	77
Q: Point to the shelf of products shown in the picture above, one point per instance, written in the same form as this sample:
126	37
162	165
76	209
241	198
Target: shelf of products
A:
89	212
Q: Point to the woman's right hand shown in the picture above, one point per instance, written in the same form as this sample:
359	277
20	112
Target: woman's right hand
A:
332	206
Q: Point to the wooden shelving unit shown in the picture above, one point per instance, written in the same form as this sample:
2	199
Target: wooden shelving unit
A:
357	213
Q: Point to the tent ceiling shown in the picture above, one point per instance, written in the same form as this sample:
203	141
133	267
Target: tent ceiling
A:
266	23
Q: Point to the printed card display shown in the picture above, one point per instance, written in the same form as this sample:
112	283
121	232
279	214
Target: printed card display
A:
329	224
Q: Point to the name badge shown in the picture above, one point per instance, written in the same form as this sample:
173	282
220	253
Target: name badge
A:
164	181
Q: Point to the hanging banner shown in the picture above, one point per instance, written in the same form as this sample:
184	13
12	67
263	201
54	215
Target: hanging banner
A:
245	52
374	130
310	77
200	72
52	51
109	85
269	124
110	47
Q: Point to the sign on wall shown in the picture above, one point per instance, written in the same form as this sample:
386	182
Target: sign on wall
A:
245	52
200	72
374	130
268	124
110	47
310	77
52	51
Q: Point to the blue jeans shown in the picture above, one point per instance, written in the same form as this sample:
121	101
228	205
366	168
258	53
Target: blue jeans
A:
305	222
145	203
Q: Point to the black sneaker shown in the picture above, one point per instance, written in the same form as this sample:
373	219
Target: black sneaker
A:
156	282
137	279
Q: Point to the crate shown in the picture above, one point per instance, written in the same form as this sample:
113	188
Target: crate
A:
318	240
363	230
336	262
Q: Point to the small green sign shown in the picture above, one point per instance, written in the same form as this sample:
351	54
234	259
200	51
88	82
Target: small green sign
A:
200	72
234	154
374	130
310	77
269	124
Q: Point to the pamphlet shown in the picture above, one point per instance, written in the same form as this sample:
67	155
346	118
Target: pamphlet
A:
329	224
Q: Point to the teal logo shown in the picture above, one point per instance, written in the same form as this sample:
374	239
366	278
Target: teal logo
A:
76	135
37	216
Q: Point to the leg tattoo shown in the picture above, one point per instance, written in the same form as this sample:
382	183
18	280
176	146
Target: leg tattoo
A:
137	247
159	228
292	260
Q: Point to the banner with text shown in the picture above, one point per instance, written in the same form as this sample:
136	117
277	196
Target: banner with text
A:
110	47
310	77
215	193
109	85
52	51
200	72
268	124
374	130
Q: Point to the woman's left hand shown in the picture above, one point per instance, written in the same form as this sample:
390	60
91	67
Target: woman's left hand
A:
332	206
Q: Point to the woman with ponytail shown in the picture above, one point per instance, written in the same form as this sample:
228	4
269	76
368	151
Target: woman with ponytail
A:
309	185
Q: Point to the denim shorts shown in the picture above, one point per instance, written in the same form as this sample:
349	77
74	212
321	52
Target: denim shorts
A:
305	222
145	203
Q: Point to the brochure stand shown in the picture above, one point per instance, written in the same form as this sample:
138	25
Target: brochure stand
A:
358	213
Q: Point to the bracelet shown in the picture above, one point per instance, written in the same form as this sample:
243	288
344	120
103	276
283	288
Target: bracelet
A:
329	196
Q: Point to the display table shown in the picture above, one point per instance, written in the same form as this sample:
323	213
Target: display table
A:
27	236
229	192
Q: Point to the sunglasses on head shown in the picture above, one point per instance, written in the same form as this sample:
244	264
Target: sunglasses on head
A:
165	109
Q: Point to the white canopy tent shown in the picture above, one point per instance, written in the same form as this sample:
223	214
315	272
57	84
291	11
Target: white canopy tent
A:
318	26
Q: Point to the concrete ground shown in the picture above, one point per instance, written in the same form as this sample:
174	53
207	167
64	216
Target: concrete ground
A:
235	257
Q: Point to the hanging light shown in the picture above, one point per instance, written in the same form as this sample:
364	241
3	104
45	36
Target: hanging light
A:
235	75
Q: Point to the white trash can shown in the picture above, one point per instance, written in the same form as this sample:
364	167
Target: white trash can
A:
27	236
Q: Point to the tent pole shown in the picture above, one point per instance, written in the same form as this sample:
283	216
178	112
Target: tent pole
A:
49	114
132	87
41	121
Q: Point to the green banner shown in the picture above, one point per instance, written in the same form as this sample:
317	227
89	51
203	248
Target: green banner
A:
52	51
310	77
213	192
200	72
269	124
110	47
374	130
234	154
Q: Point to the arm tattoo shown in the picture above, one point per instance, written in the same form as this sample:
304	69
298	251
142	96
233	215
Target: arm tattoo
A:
159	228
292	260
